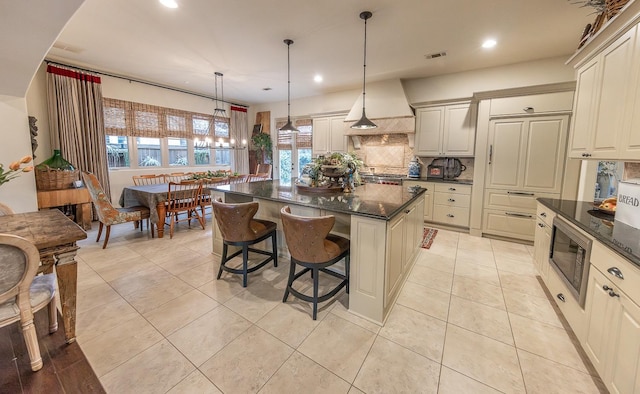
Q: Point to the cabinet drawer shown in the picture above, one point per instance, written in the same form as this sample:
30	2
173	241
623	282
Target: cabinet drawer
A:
509	224
452	188
514	200
567	303
532	104
454	216
430	186
605	259
545	214
452	199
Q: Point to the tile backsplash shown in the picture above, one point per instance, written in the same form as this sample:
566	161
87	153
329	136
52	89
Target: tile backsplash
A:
631	171
391	154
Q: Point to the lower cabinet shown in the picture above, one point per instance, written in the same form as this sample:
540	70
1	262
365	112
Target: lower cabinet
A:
404	233
612	339
451	204
541	247
428	196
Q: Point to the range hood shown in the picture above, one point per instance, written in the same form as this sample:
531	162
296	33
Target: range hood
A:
387	107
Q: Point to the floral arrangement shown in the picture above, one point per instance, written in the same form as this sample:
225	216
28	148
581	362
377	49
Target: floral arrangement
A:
15	169
341	164
211	174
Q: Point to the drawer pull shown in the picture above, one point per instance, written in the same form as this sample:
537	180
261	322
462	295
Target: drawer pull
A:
615	271
606	288
490	153
521	193
540	225
543	214
453	189
527	109
450	215
519	215
407	211
613	294
452	200
560	296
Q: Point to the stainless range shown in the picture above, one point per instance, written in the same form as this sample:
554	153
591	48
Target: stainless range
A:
385	179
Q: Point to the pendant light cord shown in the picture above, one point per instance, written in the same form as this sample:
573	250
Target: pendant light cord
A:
289	42
364	73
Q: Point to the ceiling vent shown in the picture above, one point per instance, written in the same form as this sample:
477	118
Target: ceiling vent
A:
435	55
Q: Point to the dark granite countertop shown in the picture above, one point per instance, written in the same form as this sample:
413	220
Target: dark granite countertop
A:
436	180
371	200
620	237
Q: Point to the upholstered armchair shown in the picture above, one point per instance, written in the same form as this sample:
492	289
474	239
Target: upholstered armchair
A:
108	215
22	293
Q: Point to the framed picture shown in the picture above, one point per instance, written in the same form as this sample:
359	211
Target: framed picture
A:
435	171
257	129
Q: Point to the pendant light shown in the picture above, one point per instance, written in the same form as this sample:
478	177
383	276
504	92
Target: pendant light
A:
364	123
288	126
219	112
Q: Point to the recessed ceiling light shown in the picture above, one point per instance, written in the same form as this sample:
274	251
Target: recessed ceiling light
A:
490	43
317	78
169	3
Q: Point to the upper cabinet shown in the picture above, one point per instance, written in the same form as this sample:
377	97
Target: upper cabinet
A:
446	130
329	135
607	101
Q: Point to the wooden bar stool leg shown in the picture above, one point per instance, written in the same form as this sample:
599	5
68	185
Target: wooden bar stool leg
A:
315	273
223	259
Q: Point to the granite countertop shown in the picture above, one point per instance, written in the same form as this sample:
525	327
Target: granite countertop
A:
620	237
371	200
438	180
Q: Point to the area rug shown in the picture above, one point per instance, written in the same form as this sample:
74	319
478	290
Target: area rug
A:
428	235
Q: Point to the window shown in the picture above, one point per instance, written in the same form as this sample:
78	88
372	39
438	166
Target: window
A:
294	149
149	153
178	154
156	135
117	151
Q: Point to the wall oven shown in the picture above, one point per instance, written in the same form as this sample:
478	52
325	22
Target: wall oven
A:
570	257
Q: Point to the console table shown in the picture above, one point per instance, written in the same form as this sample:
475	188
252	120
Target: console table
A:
79	197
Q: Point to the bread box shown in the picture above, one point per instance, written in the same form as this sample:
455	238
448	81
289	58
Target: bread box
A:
628	206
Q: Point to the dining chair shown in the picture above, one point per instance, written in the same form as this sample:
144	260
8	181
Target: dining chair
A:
184	197
257	177
149	179
109	215
22	293
238	179
177	177
239	228
312	247
264	169
205	197
5	210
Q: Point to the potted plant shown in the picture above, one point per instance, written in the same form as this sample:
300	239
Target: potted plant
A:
263	146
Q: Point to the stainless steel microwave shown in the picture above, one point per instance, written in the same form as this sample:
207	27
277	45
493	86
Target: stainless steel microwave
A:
570	256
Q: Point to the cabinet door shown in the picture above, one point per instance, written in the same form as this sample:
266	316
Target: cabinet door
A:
321	136
507	141
337	139
395	256
541	245
410	246
601	311
630	145
543	163
616	68
624	366
459	136
583	109
429	127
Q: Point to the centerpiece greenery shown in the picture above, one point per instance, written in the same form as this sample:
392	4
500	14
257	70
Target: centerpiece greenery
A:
335	165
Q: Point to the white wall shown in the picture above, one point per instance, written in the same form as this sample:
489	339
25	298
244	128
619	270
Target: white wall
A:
19	193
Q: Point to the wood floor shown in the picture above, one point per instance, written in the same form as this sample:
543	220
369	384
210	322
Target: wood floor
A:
65	369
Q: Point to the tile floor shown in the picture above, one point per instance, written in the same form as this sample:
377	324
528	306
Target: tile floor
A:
472	318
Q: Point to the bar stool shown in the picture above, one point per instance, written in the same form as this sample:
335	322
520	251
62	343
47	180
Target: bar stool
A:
312	247
239	228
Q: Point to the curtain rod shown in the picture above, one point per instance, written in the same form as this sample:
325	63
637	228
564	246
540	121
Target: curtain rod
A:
157	85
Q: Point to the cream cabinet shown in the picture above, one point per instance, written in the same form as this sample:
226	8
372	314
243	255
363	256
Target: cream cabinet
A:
605	104
428	196
446	130
532	104
542	241
329	135
451	204
404	232
612	340
525	162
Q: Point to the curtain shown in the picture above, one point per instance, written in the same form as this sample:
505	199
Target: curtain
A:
76	120
239	130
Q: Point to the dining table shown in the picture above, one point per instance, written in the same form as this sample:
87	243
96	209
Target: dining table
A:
151	196
55	236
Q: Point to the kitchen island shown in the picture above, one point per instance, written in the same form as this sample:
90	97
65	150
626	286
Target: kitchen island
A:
383	222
